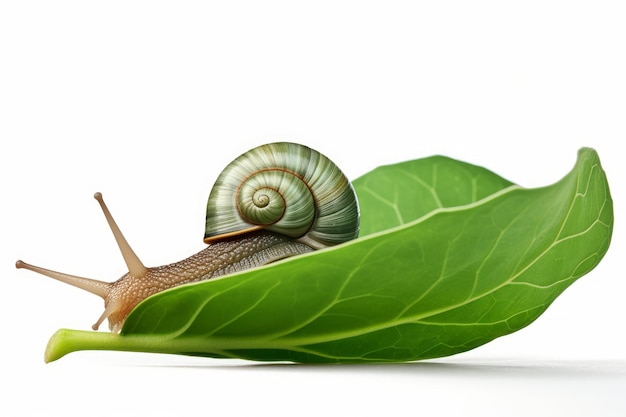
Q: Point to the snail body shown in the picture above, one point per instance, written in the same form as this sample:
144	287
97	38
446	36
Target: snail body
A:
275	201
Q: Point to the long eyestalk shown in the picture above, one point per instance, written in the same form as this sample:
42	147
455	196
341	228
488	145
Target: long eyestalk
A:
96	287
135	267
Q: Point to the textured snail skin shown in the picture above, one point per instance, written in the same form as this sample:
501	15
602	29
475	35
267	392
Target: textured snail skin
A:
221	258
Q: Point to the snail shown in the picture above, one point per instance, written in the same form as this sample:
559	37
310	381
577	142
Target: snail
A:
272	202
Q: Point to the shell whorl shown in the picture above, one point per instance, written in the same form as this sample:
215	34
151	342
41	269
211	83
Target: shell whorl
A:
286	188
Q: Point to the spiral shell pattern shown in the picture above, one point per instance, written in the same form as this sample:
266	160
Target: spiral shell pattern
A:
287	188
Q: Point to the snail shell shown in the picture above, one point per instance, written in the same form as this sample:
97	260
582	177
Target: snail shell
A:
286	188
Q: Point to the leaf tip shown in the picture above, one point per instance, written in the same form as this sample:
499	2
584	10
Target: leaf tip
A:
587	152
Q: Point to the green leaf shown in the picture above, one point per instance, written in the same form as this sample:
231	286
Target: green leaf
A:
452	256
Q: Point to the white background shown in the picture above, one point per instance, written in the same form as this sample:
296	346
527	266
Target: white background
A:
147	101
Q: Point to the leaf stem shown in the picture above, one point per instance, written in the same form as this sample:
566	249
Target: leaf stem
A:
66	341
